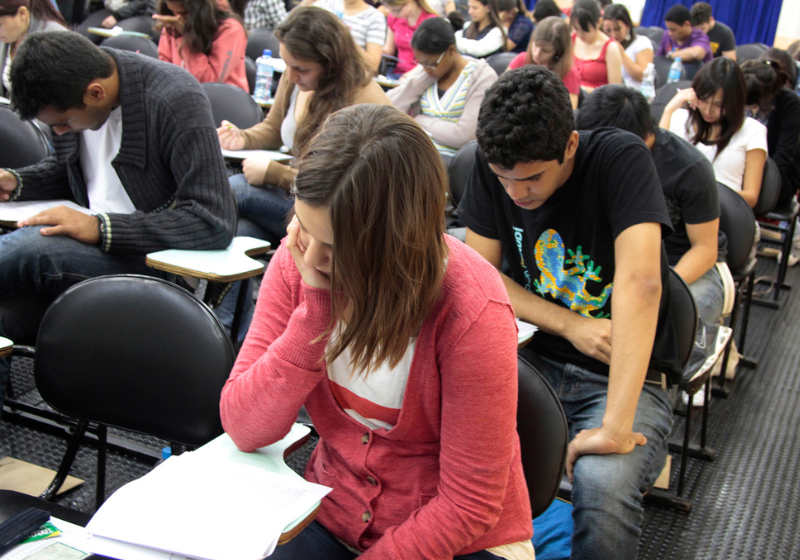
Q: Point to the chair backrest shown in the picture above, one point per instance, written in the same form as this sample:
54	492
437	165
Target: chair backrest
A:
137	353
23	143
654	33
233	104
140	24
738	223
683	313
260	39
770	189
663	96
459	169
543	436
250	72
132	43
750	51
500	61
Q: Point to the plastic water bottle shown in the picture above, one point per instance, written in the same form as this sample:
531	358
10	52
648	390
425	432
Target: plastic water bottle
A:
264	73
648	87
675	71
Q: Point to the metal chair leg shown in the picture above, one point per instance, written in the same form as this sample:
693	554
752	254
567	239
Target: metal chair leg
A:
66	462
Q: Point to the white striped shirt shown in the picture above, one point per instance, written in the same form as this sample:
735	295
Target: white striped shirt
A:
368	26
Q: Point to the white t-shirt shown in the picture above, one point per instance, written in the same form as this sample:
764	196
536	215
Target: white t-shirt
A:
368	26
639	44
438	6
729	166
97	149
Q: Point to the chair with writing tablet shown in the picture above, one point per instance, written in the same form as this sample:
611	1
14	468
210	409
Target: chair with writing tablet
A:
260	39
132	43
232	104
131	352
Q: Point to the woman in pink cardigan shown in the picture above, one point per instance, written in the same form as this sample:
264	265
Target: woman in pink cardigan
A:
203	37
401	343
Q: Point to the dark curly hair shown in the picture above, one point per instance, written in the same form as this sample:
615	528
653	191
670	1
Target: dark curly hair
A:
54	70
618	106
525	116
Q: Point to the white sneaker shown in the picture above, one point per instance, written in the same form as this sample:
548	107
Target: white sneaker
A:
794	256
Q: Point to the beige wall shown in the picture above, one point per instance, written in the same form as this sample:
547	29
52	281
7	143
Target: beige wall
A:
788	24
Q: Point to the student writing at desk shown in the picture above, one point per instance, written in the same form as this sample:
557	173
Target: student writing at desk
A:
135	143
324	72
378	323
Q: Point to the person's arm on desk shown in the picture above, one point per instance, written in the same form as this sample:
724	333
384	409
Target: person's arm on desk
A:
634	311
590	336
281	360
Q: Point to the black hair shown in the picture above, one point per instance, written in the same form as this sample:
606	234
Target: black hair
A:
721	73
618	106
456	20
203	20
506	5
54	70
764	78
585	14
700	13
525	116
433	36
546	8
43	10
618	12
678	14
786	62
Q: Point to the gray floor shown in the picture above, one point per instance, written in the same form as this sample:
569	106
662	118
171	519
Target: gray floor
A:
744	502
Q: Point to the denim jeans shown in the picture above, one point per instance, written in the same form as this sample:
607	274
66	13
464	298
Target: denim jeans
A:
262	214
607	489
34	269
709	295
316	542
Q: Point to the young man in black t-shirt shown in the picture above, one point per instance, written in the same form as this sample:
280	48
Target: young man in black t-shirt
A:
720	36
579	217
689	186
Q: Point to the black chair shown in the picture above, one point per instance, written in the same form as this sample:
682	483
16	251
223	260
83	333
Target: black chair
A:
663	96
737	222
132	352
140	24
250	71
233	104
690	68
750	51
12	502
24	143
653	33
543	436
662	64
132	43
458	173
500	61
260	39
780	219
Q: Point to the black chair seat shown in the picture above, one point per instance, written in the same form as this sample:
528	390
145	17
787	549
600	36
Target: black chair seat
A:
23	143
133	43
233	104
12	503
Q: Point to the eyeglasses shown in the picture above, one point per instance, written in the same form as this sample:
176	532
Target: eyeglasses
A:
435	64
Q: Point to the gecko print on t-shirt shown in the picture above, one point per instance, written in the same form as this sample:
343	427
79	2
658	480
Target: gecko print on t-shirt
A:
565	279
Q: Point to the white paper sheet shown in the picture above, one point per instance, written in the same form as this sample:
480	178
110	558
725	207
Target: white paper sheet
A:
265	154
206	508
526	331
12	212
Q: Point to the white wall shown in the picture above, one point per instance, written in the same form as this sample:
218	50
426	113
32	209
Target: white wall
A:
788	24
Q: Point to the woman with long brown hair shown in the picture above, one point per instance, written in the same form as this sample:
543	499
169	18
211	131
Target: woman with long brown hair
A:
204	38
17	19
324	72
378	323
485	34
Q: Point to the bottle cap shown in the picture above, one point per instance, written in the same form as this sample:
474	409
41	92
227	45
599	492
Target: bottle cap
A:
166	453
677	59
267	52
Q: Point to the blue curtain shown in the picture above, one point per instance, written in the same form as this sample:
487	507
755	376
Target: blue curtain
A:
752	21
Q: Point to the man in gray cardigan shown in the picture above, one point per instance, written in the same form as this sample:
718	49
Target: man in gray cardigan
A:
135	144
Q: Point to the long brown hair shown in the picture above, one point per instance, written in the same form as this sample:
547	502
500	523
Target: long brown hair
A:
556	32
203	19
494	21
725	74
421	3
383	184
42	10
315	35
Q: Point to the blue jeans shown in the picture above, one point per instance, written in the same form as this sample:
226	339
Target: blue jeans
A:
262	214
607	489
34	269
709	295
316	542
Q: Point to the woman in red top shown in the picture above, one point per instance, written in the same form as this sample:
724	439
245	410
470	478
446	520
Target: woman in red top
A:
203	37
379	323
551	46
597	57
403	19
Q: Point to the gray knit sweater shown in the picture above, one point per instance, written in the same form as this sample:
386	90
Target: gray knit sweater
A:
169	162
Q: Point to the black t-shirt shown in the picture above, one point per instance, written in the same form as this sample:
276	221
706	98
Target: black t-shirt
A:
563	251
690	189
721	38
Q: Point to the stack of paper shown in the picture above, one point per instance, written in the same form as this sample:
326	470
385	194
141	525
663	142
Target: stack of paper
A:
12	212
201	507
